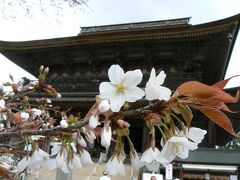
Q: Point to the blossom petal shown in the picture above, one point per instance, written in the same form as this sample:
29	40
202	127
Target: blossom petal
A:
55	149
192	146
117	102
107	90
152	75
157	92
82	142
51	164
76	161
147	156
93	121
169	152
106	136
153	166
85	158
133	94
132	78
115	74
23	163
161	77
115	167
196	134
183	153
2	103
60	160
65	169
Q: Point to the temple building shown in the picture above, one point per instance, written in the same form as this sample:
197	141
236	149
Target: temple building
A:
185	52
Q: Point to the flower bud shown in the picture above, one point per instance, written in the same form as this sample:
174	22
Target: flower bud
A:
24	116
1	126
106	136
63	123
58	95
93	122
104	106
41	68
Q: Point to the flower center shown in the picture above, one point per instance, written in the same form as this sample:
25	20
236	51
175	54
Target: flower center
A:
120	88
179	148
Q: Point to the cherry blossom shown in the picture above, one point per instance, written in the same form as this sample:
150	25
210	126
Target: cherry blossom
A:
93	122
181	144
36	161
152	158
115	165
106	136
63	123
122	87
85	158
62	160
154	90
104	106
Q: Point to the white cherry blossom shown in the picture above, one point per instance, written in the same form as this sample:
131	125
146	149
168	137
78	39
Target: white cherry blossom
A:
1	126
135	159
104	106
106	136
36	161
85	158
63	123
89	135
196	134
82	142
154	89
24	116
79	139
152	158
122	87
180	144
61	161
2	105
93	121
115	165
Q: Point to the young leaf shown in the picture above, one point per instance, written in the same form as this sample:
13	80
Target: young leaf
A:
223	83
199	90
217	117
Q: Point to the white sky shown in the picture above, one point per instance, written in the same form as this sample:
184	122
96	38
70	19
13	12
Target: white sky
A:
113	12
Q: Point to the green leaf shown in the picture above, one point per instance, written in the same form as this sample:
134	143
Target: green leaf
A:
123	132
186	113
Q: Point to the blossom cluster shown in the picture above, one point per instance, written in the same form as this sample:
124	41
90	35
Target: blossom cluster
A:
29	125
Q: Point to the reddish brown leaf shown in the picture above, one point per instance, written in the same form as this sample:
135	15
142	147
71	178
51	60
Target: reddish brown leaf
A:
217	117
5	173
199	90
223	83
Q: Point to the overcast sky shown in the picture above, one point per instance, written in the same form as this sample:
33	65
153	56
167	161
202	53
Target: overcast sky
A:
106	12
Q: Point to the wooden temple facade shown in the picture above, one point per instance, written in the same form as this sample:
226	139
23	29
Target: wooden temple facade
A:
185	52
78	64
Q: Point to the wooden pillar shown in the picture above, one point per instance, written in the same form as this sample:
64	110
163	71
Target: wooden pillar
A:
145	137
60	175
238	172
211	134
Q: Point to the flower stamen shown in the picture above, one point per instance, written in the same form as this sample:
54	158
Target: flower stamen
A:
120	88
